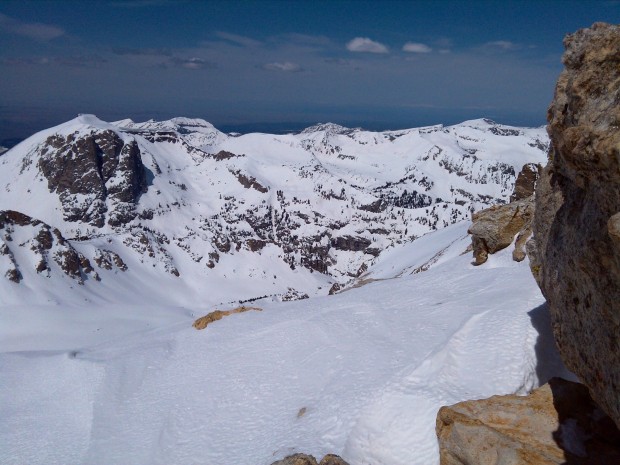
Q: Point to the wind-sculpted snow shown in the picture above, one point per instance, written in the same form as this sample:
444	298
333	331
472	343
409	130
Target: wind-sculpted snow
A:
179	200
360	374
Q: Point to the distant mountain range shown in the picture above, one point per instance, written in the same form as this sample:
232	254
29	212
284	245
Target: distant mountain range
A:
178	211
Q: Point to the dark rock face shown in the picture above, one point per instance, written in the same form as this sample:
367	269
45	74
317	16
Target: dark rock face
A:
94	175
350	243
109	260
377	206
250	182
256	244
575	254
225	155
526	182
45	243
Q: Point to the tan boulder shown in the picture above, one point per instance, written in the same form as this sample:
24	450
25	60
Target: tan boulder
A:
204	321
304	459
557	423
575	251
332	459
297	459
494	229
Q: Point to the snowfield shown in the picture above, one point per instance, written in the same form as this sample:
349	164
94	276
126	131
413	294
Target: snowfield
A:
360	374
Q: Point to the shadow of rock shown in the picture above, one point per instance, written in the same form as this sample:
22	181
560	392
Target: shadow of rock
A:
585	433
549	363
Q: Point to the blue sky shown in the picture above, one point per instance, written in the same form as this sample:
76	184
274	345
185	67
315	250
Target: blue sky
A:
278	65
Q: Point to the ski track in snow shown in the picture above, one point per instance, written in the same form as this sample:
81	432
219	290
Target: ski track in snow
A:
370	367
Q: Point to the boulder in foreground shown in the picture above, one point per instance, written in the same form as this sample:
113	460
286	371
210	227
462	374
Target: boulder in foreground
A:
575	251
558	423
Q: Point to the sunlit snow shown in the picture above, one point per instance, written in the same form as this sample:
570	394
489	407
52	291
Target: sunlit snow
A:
368	368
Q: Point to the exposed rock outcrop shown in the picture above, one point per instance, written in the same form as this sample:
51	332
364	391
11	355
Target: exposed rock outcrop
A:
94	175
109	260
526	182
303	459
494	228
41	244
332	459
557	423
575	254
297	459
204	321
351	243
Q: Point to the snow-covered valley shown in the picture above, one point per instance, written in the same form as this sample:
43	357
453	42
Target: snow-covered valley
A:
100	364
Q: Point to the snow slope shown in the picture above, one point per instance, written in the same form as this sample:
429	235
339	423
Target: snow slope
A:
360	374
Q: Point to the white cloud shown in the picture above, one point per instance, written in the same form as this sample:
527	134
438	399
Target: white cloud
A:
414	47
503	44
364	44
36	31
287	66
190	63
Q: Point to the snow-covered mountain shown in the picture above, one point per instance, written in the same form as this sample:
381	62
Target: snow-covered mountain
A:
182	213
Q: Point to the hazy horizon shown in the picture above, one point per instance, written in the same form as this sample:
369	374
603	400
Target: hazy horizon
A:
275	66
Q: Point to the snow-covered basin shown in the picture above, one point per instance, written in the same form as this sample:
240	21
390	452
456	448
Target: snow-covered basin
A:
361	374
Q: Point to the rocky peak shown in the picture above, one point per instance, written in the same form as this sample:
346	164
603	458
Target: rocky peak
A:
575	254
329	128
96	176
